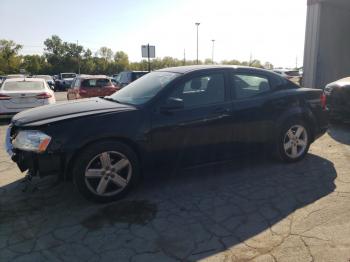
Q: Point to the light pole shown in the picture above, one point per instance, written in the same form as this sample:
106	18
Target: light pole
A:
212	52
197	24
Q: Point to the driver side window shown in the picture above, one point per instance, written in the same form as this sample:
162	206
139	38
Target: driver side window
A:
201	91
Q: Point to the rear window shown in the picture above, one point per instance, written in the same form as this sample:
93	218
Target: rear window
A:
23	86
95	83
68	75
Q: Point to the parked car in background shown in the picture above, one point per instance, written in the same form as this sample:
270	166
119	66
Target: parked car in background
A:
292	75
91	86
2	78
126	77
175	116
49	80
18	94
64	81
338	99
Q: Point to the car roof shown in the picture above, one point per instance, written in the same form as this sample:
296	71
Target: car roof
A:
93	76
133	72
21	79
192	68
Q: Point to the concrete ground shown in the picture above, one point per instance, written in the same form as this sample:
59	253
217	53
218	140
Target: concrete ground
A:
250	209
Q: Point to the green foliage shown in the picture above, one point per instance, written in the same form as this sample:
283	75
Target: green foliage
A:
9	59
60	56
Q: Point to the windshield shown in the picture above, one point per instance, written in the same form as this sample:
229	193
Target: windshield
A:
68	75
23	86
144	89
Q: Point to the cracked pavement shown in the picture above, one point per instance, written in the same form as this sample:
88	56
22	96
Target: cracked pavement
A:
250	209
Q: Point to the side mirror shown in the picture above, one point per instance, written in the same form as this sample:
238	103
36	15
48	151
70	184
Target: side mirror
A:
172	104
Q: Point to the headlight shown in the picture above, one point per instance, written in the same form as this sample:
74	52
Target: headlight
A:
31	140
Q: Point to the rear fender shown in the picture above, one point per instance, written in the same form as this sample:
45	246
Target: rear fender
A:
302	113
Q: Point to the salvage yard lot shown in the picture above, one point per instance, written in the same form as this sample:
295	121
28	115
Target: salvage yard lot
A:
248	209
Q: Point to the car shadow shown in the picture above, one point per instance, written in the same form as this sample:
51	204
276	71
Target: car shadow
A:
189	214
340	132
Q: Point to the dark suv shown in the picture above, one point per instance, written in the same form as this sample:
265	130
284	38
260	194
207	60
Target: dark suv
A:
126	77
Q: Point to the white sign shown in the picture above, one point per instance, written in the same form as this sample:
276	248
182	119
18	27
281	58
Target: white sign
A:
152	51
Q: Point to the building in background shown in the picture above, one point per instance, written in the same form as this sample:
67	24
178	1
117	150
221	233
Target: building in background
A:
327	42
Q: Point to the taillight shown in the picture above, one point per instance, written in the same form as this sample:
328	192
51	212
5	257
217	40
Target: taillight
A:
323	101
43	96
4	97
82	91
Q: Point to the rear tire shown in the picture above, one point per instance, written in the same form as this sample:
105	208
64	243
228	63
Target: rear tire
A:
106	171
293	141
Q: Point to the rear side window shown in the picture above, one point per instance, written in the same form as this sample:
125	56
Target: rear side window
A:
103	82
89	83
23	86
249	85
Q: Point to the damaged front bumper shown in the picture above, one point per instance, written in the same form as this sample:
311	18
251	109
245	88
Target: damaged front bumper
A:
41	164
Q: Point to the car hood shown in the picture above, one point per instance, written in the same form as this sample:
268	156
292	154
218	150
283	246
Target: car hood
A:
67	110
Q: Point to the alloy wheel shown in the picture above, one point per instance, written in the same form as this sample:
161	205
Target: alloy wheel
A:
108	173
295	141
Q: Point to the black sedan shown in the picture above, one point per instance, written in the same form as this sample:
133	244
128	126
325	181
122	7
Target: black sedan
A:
180	116
338	99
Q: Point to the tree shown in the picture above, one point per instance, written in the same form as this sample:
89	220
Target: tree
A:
105	53
268	66
9	60
122	61
63	56
34	64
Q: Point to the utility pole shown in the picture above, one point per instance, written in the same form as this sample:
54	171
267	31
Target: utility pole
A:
197	24
212	52
149	62
184	56
78	59
296	62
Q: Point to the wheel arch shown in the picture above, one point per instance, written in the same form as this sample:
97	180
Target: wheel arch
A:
69	163
298	113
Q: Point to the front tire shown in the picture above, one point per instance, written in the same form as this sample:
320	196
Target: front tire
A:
106	171
293	141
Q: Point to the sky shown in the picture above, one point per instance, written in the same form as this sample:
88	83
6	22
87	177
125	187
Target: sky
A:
268	30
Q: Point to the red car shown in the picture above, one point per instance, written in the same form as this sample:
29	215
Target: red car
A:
91	86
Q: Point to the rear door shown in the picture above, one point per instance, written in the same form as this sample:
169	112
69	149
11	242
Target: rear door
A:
253	108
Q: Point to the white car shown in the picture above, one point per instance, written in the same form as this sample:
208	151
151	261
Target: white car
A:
292	75
18	94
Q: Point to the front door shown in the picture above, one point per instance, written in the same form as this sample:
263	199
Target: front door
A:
195	133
